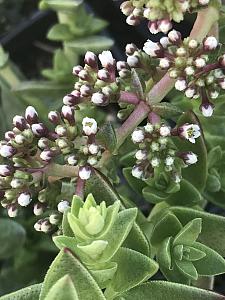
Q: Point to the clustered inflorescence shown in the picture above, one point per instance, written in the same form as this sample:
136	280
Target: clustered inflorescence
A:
157	150
29	151
160	14
189	63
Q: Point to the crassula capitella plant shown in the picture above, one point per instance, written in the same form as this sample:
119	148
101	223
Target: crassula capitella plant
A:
69	169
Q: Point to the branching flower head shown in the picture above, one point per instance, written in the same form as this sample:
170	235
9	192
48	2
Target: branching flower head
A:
160	14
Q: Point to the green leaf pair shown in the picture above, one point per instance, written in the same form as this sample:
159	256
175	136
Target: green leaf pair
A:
181	258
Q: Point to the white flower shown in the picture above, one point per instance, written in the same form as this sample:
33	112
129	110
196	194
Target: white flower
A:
190	158
31	113
19	139
193	44
164	41
174	36
165	26
203	2
200	62
60	130
190	132
207	110
141	155
12	211
210	43
72	160
137	172
6	151
155	162
38	209
37	226
84	172
130	49
67	111
222	84
181	51
189	70
190	92
46	226
154	146
153	27
5	170
149	128
214	94
164	63
93	148
92	160
181	85
151	48
37	129
169	161
138	136
46	155
164	130
24	199
54	218
89	126
63	206
97	98
132	61
106	59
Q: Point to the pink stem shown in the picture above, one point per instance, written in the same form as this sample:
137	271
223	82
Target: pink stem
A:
80	187
128	97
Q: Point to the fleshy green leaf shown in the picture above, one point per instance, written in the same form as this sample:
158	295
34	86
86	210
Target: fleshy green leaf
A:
159	290
29	293
67	264
211	264
63	289
12	237
60	32
3	57
193	254
167	226
213	227
66	5
164	253
187	195
187	269
92	43
189	234
133	268
137	184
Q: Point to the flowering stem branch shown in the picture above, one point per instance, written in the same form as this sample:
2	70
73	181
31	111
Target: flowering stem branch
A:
138	115
205	20
80	187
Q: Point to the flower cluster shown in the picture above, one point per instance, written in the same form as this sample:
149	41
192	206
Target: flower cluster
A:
157	150
189	63
31	148
159	13
94	84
